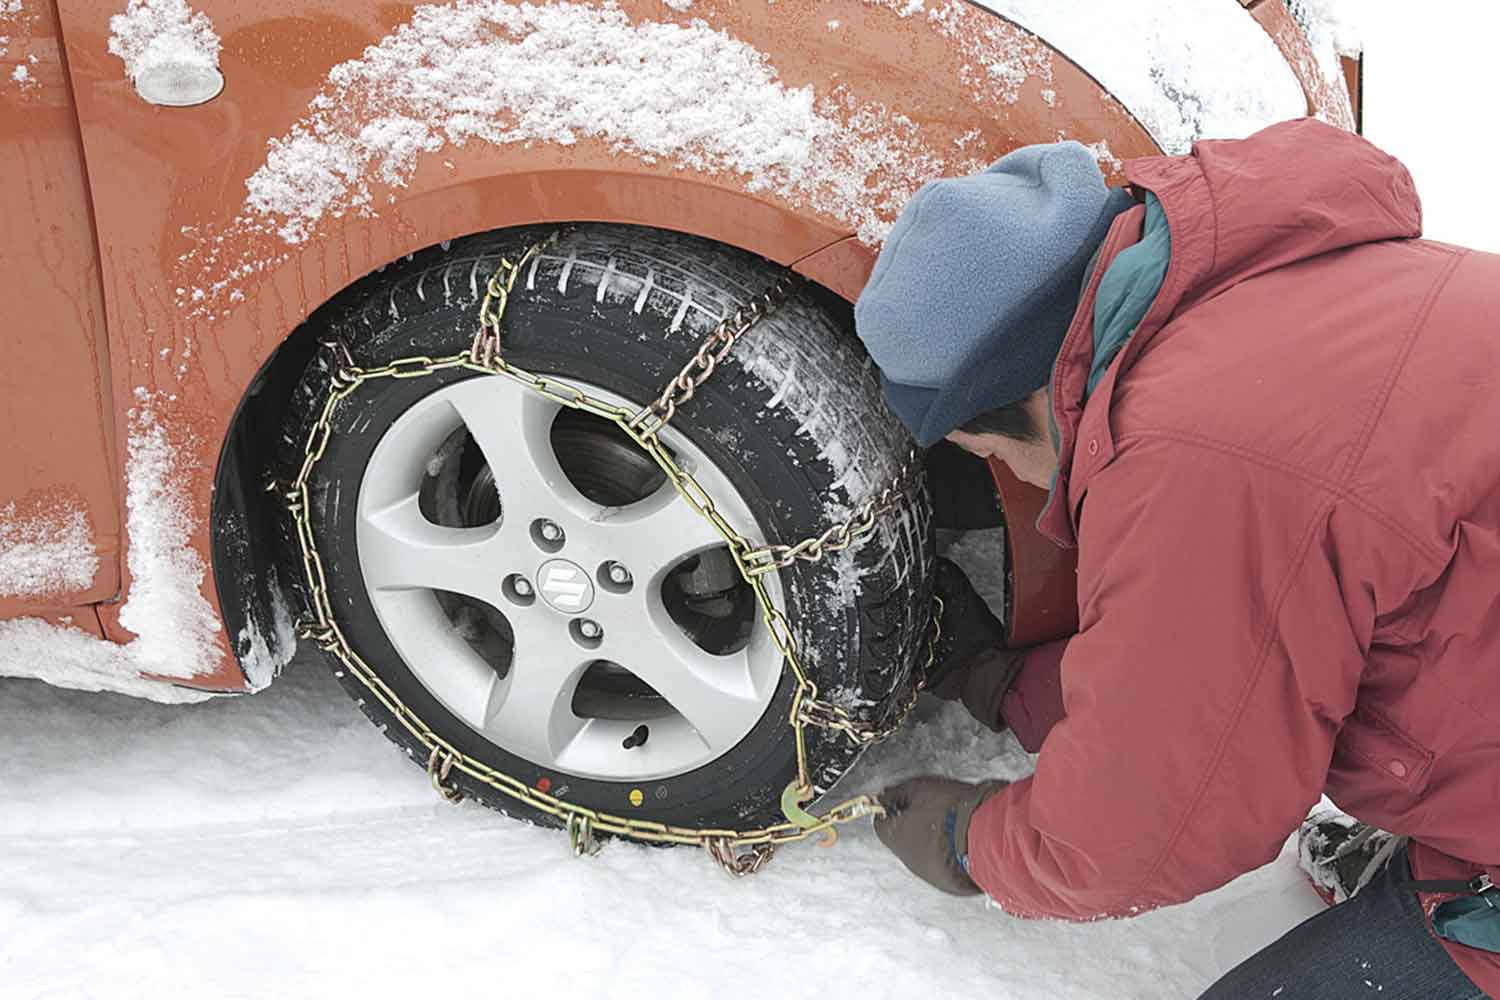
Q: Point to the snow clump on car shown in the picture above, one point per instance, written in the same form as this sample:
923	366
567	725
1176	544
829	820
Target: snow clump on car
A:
46	552
156	33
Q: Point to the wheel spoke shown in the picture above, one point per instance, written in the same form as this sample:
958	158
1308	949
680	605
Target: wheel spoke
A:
530	710
400	549
440	658
717	695
513	427
654	535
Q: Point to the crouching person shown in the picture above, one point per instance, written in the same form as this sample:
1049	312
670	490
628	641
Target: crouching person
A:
1267	414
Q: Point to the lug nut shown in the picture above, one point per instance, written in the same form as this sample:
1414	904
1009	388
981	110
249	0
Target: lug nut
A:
589	629
518	590
550	531
618	574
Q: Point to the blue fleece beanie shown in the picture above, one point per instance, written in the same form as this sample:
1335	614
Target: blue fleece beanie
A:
978	281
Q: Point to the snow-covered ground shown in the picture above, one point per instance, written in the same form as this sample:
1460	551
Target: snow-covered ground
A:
277	845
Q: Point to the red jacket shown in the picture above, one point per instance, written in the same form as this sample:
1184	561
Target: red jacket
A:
1285	495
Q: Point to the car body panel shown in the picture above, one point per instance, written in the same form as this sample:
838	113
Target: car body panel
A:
60	476
201	286
1328	92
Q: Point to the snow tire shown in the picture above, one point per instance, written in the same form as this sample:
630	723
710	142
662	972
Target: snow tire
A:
794	418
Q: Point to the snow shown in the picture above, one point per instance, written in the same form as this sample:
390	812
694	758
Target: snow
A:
13	18
46	553
504	73
68	657
1000	58
153	34
1332	29
1340	22
175	628
261	661
280	846
1180	66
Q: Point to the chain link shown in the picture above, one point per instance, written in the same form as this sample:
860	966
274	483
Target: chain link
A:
739	852
439	767
843	534
714	349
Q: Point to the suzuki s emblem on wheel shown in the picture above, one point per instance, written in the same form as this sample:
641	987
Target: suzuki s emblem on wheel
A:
565	587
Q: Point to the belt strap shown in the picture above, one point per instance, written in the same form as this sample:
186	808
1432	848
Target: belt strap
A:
1476	886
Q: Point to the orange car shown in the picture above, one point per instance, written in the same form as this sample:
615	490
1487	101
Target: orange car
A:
221	223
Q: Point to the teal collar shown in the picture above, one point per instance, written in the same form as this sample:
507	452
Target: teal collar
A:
1128	288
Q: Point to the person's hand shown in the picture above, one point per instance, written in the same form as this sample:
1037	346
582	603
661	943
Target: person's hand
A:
968	630
926	825
986	680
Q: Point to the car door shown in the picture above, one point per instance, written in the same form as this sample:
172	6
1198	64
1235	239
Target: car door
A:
59	496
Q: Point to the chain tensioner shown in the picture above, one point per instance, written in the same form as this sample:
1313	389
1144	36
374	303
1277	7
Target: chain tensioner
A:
739	852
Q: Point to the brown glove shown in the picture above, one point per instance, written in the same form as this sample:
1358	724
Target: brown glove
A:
986	680
926	825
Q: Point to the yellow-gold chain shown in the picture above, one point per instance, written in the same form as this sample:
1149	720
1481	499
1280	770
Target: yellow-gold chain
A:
740	852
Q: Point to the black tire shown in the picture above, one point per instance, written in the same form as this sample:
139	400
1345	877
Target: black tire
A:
795	418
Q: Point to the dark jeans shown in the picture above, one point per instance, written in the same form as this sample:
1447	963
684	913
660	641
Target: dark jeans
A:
1376	944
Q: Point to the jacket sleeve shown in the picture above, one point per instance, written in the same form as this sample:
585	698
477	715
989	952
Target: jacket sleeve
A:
1033	704
1217	654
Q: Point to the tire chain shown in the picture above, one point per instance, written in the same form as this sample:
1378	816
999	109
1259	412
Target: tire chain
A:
739	852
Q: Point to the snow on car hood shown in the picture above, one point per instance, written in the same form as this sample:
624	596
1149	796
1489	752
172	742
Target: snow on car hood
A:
1187	69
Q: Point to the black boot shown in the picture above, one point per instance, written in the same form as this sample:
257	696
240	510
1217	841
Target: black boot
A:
1340	855
969	629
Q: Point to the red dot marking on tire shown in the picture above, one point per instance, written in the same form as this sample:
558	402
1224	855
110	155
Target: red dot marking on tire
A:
544	784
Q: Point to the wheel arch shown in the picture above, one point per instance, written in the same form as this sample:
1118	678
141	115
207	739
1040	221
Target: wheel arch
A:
253	601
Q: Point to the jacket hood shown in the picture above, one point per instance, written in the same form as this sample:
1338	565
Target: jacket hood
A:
1235	209
1239	208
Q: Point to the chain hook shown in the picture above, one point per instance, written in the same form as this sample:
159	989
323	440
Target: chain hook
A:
793	797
